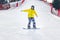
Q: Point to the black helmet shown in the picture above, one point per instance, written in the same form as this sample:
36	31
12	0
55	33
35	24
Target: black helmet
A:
32	7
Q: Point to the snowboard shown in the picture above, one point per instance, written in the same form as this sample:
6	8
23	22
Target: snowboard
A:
31	28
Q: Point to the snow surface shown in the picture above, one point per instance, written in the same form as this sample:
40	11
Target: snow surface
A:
12	22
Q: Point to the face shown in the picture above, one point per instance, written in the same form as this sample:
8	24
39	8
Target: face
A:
32	7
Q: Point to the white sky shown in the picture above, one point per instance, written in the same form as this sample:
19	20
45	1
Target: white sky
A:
50	1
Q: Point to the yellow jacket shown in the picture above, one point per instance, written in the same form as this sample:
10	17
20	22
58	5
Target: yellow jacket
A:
31	13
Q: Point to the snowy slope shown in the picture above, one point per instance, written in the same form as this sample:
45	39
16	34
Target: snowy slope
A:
13	20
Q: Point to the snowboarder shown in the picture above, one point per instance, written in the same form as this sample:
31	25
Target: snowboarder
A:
31	14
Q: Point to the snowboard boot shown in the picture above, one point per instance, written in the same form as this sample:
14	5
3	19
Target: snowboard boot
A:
28	27
34	26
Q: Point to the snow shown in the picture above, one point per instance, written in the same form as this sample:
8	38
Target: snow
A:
13	20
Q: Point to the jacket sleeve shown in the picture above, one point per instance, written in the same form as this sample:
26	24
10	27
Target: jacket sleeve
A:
25	10
35	13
